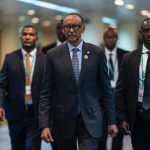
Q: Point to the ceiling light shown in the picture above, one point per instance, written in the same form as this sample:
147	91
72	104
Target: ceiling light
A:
21	18
110	21
46	23
148	15
58	17
50	6
144	12
130	6
119	2
35	20
31	12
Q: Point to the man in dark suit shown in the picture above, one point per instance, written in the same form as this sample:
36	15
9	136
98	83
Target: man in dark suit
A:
133	92
75	81
114	57
20	84
60	38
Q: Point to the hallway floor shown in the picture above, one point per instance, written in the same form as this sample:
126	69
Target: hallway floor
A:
5	141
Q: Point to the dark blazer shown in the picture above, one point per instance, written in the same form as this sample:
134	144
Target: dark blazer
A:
127	87
120	53
60	93
12	84
46	48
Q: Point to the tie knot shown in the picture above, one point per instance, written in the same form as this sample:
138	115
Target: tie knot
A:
75	50
110	54
28	54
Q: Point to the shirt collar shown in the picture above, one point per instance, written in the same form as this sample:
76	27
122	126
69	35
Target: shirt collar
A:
79	46
114	51
32	53
144	49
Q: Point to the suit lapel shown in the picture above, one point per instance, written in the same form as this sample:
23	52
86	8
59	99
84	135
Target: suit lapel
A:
65	56
119	57
20	62
135	66
36	67
85	60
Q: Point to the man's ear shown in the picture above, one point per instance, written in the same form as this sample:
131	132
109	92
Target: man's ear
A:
63	31
83	28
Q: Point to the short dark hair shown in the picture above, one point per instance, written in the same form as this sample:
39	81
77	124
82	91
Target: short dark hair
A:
30	26
59	25
76	14
112	30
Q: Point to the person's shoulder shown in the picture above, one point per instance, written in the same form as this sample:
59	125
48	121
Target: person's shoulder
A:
56	49
92	47
123	51
48	47
131	54
13	53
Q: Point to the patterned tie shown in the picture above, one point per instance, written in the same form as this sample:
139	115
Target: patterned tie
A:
75	63
111	67
28	77
146	96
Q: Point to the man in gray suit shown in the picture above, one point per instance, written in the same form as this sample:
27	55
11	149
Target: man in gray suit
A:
75	83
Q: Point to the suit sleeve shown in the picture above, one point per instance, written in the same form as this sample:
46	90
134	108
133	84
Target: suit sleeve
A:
106	90
45	95
3	80
121	90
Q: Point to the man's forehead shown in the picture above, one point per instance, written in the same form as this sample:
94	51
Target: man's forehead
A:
72	18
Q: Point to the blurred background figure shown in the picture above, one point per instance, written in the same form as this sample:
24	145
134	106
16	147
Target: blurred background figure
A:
60	38
133	92
20	80
114	56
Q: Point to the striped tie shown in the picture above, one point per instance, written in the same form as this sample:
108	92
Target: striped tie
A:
75	63
111	68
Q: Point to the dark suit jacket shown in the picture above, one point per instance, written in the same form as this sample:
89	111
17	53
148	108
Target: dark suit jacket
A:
127	87
46	48
120	53
60	92
12	84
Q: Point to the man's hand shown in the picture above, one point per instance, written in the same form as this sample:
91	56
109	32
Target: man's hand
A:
2	114
124	126
112	130
46	135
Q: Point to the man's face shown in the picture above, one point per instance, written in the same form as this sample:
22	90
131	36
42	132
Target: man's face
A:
145	30
110	39
73	28
60	35
29	38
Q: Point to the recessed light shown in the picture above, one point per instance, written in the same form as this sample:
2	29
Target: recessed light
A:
130	6
21	18
46	23
144	12
119	2
31	12
35	20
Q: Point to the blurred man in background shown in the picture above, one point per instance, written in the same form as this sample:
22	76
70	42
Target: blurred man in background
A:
20	85
114	57
60	38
